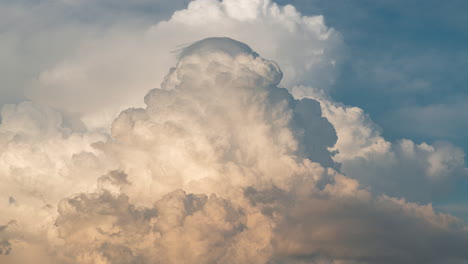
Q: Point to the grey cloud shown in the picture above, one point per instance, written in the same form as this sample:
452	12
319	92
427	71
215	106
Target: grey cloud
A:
116	178
367	231
5	247
316	132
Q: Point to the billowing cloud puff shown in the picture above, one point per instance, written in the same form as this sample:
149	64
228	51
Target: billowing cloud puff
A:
194	130
42	160
220	166
178	228
38	151
284	29
338	224
418	172
95	79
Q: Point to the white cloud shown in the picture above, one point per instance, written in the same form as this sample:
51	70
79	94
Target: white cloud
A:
38	35
218	167
41	161
418	172
198	124
98	75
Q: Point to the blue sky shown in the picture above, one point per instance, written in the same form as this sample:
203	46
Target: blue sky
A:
406	64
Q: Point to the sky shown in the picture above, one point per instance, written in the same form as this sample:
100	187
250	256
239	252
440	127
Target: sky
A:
233	131
404	66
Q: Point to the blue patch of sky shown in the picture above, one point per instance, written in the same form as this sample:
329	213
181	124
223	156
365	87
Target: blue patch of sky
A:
406	64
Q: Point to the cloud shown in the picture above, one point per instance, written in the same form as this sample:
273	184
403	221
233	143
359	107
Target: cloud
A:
95	77
208	107
38	149
179	228
338	224
403	168
38	35
42	160
221	166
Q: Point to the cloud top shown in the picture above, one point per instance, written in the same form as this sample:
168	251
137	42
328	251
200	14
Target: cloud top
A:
218	44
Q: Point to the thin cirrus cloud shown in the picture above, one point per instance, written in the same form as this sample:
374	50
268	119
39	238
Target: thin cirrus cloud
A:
219	164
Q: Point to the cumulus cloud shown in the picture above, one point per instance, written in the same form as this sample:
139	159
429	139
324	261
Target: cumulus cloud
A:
418	172
216	101
38	35
38	149
42	160
178	228
220	166
118	59
338	224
